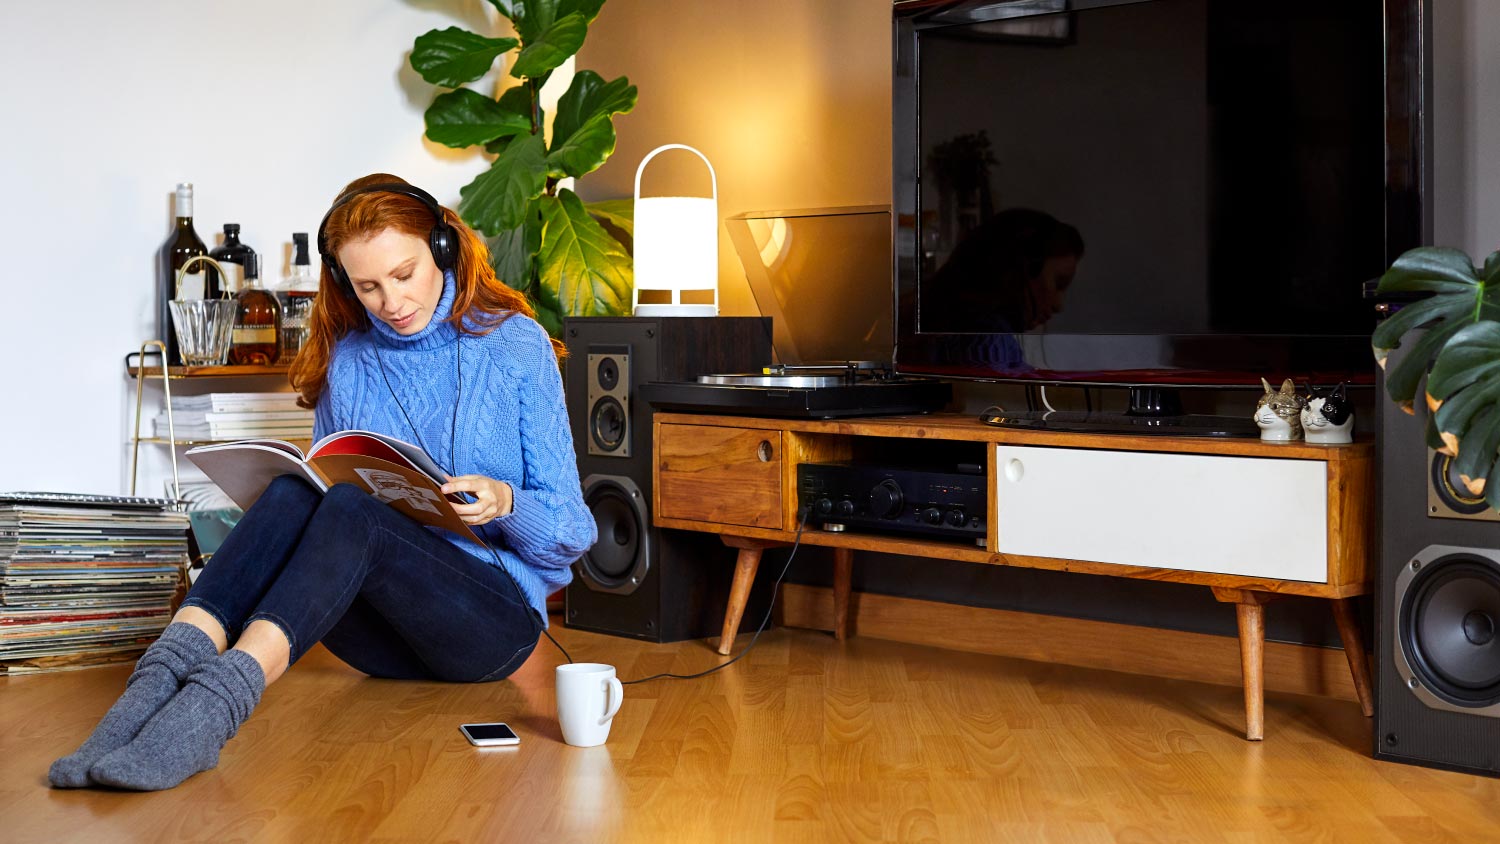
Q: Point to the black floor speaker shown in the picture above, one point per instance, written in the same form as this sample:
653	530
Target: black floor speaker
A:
637	580
1437	673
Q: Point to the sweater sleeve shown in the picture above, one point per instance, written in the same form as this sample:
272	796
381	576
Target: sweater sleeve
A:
549	525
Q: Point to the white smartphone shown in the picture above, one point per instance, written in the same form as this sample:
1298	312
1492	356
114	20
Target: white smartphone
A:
489	735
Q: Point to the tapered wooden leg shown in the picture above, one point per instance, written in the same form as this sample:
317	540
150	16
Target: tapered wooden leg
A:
843	568
1354	651
1252	658
744	575
745	565
1249	610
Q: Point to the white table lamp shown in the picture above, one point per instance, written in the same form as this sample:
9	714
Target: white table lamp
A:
676	249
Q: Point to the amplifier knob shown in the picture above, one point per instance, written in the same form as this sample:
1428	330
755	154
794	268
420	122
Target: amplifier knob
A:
957	517
933	516
886	499
824	506
844	508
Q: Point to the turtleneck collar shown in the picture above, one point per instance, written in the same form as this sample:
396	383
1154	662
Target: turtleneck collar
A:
438	331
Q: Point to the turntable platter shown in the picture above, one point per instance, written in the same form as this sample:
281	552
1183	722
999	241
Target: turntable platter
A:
757	379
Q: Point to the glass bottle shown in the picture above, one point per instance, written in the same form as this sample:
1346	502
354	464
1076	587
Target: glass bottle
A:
296	296
232	256
183	243
257	321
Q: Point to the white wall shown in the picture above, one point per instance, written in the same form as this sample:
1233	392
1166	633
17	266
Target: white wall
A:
268	108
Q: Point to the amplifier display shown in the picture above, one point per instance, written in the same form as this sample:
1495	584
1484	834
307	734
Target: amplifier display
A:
877	499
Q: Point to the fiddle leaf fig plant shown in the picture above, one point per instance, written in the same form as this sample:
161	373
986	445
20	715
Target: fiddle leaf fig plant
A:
543	239
1458	353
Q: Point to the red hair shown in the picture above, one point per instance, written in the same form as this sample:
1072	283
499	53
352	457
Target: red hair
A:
479	295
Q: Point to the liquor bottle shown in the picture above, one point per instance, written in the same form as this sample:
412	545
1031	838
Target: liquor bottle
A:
232	256
257	320
296	296
183	243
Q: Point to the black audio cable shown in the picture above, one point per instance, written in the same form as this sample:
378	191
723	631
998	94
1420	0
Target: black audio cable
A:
803	513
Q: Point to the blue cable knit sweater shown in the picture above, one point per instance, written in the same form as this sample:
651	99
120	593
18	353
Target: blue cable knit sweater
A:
510	424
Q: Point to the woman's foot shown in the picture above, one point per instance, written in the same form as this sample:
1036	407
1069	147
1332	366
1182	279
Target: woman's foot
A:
187	734
158	675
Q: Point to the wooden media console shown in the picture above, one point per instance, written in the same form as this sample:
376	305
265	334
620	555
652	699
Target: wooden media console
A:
1251	520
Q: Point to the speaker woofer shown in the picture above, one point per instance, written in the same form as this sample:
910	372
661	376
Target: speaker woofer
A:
1448	611
618	561
1449	495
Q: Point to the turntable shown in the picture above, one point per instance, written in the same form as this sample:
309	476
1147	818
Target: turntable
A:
823	275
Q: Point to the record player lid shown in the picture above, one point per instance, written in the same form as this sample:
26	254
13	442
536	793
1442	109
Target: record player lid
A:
823	275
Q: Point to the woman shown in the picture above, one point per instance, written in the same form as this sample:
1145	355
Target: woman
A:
412	336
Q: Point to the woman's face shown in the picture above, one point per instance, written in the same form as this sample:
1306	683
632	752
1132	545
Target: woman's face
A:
395	278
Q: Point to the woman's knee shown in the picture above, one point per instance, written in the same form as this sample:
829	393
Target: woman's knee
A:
289	491
345	499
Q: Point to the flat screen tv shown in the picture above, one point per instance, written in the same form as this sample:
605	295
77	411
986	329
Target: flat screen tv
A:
1158	193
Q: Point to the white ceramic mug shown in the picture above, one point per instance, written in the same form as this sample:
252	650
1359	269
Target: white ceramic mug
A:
588	696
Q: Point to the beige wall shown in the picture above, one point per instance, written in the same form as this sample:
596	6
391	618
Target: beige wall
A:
790	100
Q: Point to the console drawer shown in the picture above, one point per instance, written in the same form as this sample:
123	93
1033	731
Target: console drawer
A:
729	476
1249	516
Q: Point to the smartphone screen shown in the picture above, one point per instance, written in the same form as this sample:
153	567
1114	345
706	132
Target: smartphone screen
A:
490	735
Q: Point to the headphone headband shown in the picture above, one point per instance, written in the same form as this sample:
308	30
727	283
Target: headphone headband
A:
441	240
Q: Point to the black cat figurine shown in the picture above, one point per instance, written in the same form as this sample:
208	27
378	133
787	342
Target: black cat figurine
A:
1328	417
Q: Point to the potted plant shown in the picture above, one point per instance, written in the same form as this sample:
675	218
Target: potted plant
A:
543	239
1458	353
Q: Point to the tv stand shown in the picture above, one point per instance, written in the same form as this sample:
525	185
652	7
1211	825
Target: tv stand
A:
1178	510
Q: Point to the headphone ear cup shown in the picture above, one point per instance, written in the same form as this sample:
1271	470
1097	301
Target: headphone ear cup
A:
442	241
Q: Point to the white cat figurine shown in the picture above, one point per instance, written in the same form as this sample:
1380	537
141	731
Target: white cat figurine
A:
1278	413
1328	418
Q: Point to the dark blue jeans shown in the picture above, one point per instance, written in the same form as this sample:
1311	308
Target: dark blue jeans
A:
380	591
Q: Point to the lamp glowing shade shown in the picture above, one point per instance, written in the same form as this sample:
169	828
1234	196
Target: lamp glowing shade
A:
676	249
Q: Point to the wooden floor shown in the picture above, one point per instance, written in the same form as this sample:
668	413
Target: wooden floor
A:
806	739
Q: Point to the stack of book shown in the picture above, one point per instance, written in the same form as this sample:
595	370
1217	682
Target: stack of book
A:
85	580
237	416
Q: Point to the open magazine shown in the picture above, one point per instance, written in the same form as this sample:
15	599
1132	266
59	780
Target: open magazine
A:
395	472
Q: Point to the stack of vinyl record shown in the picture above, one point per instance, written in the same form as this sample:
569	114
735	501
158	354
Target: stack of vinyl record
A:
236	416
85	580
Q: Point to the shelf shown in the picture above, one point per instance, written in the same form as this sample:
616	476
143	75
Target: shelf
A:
229	371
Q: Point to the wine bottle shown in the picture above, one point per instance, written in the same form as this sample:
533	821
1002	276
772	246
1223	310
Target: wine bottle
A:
232	256
183	243
296	297
257	321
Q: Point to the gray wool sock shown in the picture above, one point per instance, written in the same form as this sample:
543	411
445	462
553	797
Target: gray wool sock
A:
158	675
186	735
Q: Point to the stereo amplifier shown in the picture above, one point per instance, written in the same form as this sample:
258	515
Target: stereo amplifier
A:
880	499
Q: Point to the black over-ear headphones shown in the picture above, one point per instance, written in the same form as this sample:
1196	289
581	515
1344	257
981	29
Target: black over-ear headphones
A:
442	240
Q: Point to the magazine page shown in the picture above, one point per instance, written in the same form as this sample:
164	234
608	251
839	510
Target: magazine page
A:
381	446
243	470
407	490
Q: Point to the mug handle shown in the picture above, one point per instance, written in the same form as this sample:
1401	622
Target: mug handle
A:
617	697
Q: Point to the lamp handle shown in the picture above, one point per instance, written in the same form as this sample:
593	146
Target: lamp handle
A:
713	179
183	271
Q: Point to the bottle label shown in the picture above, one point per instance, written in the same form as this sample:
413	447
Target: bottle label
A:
254	334
191	286
234	277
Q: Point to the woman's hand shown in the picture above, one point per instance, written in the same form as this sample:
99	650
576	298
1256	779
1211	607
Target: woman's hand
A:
492	498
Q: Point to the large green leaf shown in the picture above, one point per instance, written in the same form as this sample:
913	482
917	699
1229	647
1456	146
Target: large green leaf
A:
583	271
518	100
452	57
497	200
619	213
1458	352
465	117
587	97
550	47
513	251
584	151
532	17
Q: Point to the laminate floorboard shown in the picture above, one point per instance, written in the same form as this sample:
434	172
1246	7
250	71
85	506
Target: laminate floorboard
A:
804	740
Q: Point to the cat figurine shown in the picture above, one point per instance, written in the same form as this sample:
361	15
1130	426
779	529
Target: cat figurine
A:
1278	414
1328	418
